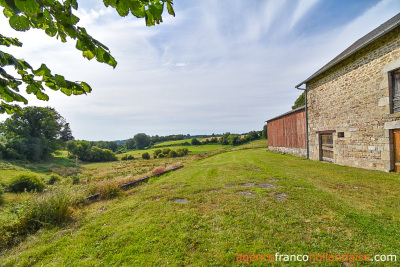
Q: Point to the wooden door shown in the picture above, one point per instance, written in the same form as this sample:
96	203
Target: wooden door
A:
396	145
326	147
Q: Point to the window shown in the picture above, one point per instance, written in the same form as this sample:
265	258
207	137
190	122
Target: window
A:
395	87
340	134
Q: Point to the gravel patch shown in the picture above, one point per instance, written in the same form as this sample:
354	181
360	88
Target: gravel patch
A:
248	184
247	194
181	200
266	186
281	196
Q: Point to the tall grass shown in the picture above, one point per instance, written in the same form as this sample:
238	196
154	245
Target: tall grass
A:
43	210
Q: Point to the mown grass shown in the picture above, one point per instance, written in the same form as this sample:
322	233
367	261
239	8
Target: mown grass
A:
329	208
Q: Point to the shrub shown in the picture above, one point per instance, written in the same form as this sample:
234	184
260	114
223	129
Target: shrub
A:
28	182
53	178
109	190
172	154
166	151
127	157
146	155
156	153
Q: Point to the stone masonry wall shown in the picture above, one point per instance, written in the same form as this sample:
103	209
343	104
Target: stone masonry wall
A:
353	98
301	152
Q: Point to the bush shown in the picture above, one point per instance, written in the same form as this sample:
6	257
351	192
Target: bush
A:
109	190
172	154
53	178
27	181
127	157
156	153
146	155
166	151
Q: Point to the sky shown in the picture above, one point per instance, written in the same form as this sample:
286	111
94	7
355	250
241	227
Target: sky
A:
218	66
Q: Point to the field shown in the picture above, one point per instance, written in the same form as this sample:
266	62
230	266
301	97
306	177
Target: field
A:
236	201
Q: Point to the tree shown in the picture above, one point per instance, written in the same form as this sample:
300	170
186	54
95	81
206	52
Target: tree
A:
300	101
57	18
141	140
66	133
34	133
129	144
265	131
195	142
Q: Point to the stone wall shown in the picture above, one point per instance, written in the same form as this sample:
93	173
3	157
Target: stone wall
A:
300	152
353	99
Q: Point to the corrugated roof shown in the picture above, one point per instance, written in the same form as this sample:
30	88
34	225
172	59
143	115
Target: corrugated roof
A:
287	113
360	43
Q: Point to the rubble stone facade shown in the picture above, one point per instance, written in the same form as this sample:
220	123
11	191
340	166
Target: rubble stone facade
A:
352	100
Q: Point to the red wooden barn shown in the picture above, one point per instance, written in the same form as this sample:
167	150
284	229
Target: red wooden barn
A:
287	132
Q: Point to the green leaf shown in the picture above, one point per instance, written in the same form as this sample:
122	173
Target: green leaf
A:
8	13
29	7
42	71
86	87
19	23
60	80
9	109
66	91
88	54
170	9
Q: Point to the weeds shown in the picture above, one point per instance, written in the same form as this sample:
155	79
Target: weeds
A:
44	210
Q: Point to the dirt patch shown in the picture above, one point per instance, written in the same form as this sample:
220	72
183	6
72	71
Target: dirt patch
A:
272	180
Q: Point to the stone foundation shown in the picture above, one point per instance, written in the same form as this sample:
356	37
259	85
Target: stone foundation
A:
300	152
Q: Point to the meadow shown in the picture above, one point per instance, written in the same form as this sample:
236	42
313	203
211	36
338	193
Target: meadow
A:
230	202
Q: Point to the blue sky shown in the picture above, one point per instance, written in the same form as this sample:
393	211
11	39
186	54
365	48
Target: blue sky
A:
218	66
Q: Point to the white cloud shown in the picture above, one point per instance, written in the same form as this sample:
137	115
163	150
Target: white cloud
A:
303	7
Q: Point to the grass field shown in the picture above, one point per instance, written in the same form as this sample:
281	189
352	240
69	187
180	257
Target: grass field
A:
243	201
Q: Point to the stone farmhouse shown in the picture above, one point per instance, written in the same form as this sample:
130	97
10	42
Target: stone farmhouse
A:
353	104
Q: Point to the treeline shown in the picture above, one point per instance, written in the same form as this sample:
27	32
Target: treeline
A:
228	139
142	140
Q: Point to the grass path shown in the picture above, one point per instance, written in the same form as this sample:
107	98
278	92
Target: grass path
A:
329	208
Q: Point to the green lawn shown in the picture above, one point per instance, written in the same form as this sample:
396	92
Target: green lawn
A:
312	207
